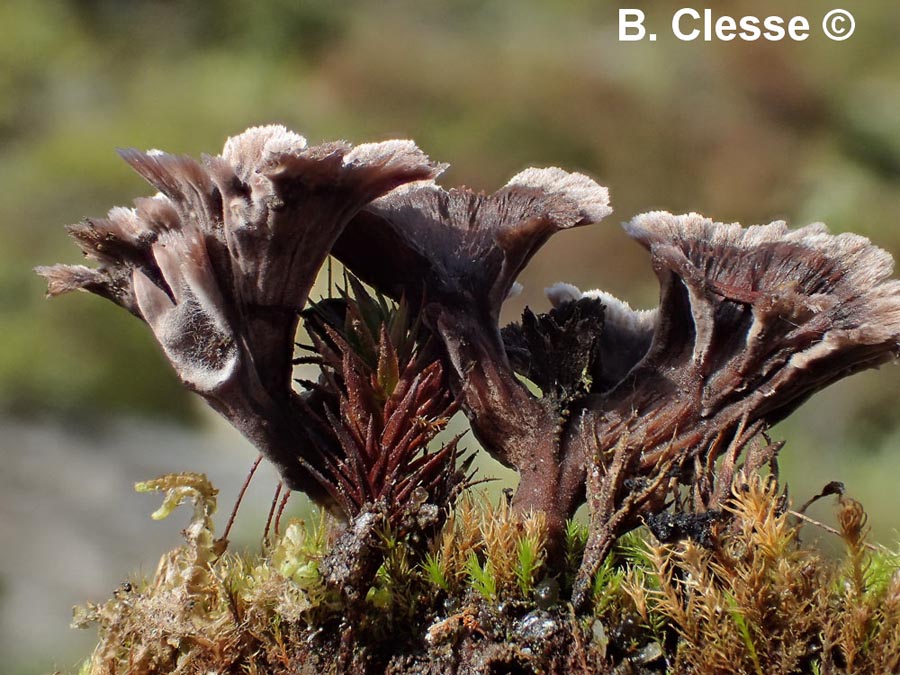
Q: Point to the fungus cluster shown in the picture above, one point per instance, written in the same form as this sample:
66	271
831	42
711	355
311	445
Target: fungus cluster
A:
634	412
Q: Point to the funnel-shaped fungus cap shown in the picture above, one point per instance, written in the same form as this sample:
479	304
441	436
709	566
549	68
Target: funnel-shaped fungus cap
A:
460	247
221	260
751	322
768	312
238	238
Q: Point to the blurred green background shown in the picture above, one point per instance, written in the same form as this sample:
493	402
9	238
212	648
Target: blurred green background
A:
737	131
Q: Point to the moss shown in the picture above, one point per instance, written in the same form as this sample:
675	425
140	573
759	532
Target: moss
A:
479	596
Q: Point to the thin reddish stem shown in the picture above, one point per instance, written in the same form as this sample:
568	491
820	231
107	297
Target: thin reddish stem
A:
272	512
281	507
240	498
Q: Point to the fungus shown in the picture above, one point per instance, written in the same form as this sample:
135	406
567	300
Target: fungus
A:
457	253
220	262
751	322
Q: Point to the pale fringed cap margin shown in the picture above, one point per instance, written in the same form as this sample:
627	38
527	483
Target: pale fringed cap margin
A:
247	229
774	311
639	322
625	337
452	244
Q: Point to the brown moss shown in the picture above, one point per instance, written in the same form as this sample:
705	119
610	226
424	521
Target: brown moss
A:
756	600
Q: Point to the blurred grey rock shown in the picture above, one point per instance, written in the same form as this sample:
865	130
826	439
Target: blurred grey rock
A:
72	528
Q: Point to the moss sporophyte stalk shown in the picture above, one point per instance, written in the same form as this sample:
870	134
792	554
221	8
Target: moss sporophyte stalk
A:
652	418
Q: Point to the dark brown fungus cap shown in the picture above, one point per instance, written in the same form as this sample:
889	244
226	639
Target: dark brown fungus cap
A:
767	313
751	322
222	258
459	247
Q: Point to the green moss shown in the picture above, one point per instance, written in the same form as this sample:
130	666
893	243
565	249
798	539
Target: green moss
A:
658	607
